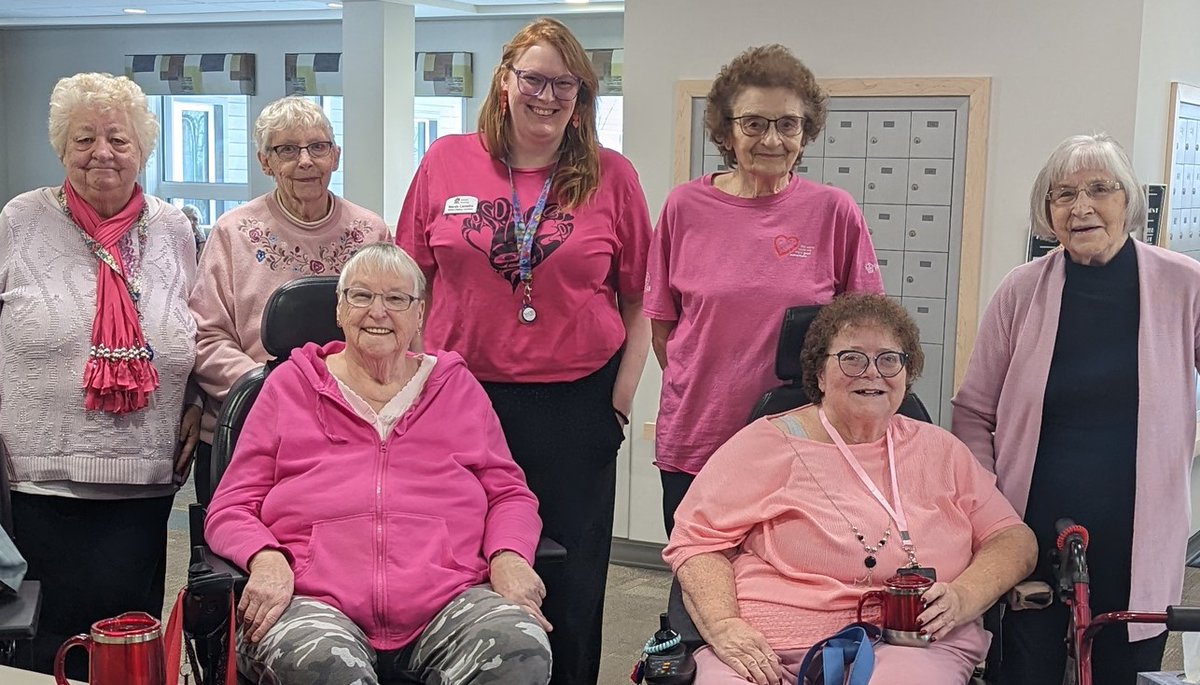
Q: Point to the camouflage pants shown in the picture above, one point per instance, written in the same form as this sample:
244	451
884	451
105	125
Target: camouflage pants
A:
479	638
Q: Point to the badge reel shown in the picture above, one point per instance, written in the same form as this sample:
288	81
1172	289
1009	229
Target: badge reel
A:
528	314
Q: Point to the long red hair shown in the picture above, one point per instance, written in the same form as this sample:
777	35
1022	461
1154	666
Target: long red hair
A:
578	172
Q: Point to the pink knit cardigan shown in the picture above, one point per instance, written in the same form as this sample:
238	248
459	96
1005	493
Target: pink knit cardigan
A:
998	409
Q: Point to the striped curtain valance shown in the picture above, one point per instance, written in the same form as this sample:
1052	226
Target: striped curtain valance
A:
444	73
206	74
313	73
609	63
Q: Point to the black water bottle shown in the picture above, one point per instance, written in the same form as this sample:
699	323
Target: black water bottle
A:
667	661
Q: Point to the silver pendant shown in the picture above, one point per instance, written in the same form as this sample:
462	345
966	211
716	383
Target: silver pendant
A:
528	314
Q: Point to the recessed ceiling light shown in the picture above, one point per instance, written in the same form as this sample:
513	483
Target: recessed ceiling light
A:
133	10
334	5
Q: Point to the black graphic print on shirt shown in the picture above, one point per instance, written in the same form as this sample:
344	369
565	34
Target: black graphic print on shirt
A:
491	231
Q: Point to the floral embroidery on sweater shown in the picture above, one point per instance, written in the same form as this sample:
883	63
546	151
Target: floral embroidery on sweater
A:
279	255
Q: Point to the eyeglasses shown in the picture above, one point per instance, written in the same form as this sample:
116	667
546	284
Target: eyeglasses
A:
1099	191
531	84
854	363
362	298
315	150
755	126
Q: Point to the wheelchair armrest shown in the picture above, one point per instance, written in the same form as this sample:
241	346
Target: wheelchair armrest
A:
19	612
208	571
681	621
549	551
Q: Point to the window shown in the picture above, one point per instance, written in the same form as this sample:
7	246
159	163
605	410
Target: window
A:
332	104
435	116
203	153
610	121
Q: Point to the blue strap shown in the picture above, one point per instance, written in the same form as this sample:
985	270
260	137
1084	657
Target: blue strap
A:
850	652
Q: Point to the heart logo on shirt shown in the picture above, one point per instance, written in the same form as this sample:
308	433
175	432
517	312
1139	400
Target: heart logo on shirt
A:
491	231
786	244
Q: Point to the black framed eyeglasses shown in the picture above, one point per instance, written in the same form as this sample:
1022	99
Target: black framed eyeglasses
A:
754	126
362	298
1099	191
316	150
854	363
532	84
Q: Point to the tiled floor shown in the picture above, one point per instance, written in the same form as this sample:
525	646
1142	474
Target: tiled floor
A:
635	598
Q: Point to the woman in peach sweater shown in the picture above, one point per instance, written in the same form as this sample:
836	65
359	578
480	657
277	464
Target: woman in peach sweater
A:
800	513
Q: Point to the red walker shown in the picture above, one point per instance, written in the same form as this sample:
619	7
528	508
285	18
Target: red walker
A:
1072	573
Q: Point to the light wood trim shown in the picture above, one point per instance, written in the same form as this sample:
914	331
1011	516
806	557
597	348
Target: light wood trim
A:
1180	93
978	93
685	91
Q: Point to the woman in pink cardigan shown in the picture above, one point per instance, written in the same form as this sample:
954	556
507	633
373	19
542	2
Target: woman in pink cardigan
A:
1080	396
799	514
387	531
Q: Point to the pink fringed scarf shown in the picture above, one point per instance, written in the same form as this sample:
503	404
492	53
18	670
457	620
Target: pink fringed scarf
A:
118	377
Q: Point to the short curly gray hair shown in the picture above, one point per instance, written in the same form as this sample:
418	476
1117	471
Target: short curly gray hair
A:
1098	151
101	92
286	114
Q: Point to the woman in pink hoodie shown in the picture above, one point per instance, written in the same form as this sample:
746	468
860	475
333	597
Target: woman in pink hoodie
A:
373	500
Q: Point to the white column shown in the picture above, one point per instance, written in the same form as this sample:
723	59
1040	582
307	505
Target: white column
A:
378	58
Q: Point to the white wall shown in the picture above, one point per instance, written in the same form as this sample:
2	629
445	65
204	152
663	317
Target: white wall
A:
1170	52
34	59
486	38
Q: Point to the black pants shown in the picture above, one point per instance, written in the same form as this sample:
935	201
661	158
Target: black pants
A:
1035	652
96	559
675	485
565	436
200	469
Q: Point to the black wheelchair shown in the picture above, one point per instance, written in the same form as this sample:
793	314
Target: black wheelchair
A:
796	321
299	312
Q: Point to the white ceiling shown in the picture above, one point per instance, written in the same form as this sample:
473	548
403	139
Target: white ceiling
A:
16	13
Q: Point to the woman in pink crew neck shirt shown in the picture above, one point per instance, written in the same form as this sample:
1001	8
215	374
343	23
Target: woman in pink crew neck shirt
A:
734	249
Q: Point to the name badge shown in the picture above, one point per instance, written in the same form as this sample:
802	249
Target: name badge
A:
461	204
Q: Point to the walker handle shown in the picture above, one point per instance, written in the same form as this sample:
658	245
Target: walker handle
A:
1183	619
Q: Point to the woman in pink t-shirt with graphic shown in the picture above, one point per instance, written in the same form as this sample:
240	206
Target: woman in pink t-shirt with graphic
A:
534	241
734	249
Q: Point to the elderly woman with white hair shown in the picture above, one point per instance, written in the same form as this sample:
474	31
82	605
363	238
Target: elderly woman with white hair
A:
298	229
96	343
1081	396
373	499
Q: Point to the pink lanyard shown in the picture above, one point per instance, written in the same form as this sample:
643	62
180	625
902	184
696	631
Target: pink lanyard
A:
897	514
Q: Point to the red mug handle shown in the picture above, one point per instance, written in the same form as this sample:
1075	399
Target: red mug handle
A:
868	596
84	641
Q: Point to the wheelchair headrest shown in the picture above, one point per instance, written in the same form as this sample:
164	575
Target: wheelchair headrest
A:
300	312
796	321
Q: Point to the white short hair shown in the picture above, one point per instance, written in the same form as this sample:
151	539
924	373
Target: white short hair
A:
1098	151
286	114
387	258
101	92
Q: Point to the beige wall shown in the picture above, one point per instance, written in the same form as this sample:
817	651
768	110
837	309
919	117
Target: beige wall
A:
1021	45
1018	44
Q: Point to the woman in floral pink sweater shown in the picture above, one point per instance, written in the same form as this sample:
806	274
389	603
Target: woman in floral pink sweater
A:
299	229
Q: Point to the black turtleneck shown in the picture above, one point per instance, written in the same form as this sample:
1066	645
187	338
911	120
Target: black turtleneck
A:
1087	452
